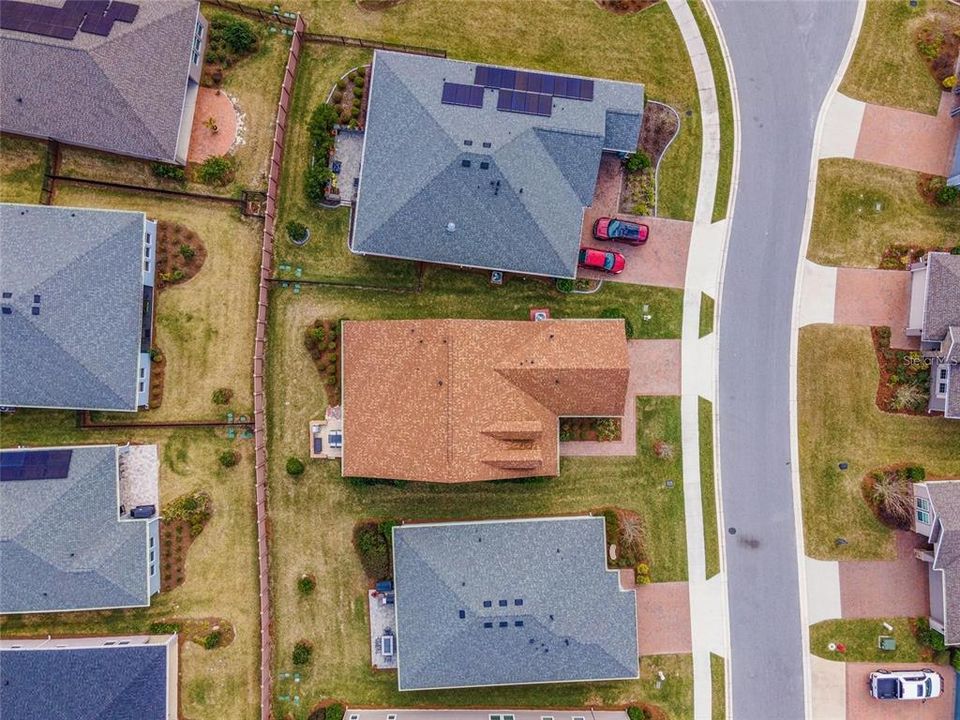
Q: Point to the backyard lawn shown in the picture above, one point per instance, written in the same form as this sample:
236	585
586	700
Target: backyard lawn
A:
861	209
559	36
21	169
860	638
334	616
205	325
839	422
886	67
221	565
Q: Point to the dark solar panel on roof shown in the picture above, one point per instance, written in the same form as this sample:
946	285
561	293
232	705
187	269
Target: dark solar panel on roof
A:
35	464
460	94
557	85
525	103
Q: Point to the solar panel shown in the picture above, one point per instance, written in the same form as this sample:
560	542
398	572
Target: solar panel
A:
460	94
35	464
531	82
90	16
525	103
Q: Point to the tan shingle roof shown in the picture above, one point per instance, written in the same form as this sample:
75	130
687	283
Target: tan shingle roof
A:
467	400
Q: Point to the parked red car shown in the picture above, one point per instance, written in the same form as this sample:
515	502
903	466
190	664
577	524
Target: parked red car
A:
622	231
605	260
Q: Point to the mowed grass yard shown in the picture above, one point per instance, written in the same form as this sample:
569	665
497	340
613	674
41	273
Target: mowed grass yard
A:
886	67
862	208
22	163
205	325
254	83
569	36
334	617
839	422
221	565
860	637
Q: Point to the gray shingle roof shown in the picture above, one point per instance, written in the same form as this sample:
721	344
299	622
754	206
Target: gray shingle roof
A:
547	574
521	213
82	350
941	307
946	503
952	408
119	683
62	544
123	93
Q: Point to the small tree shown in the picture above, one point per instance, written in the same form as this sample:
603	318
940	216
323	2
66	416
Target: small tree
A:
221	396
229	458
215	170
296	231
295	466
306	584
212	640
302	652
186	252
318	334
638	162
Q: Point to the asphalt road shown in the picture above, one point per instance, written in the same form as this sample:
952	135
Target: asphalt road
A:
785	55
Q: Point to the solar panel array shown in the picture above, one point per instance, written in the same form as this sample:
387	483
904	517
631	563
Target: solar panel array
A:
35	464
571	88
460	94
90	16
525	102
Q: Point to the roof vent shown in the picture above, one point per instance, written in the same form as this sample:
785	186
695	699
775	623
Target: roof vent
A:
451	227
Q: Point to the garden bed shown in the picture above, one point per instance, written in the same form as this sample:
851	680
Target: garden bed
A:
639	178
230	39
349	97
373	542
625	7
322	340
938	42
589	429
158	368
904	385
625	530
889	494
182	521
180	254
209	633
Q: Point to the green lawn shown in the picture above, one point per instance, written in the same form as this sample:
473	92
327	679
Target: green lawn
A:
860	638
22	164
839	422
863	208
708	488
886	67
706	314
724	103
561	36
221	565
718	688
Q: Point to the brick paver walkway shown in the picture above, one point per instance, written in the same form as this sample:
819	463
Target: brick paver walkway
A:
875	297
886	588
205	143
663	616
860	706
909	140
654	370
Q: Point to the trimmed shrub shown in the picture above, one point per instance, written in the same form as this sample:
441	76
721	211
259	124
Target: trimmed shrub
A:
238	35
306	584
302	652
638	162
295	466
167	171
638	713
955	659
212	640
615	312
186	252
221	396
372	543
565	285
318	334
315	182
229	458
947	195
341	84
915	473
320	127
642	573
337	96
929	637
358	92
215	170
296	231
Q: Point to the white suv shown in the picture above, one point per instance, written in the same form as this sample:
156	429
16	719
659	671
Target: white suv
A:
906	684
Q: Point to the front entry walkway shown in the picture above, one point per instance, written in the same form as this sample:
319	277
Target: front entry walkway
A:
909	140
886	588
654	370
663	616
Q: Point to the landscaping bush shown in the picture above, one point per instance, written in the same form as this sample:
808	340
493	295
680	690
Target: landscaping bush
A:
915	473
358	82
909	397
221	396
295	466
212	640
296	231
334	712
565	285
186	252
318	334
315	182
947	195
888	493
229	458
163	628
320	127
638	713
341	84
955	250
337	96
372	543
607	429
237	34
194	508
306	584
302	652
663	450
358	92
615	312
642	573
638	162
168	172
955	659
215	170
928	637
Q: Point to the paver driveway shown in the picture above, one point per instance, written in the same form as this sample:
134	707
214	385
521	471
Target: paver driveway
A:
886	589
909	140
662	261
875	297
663	616
860	706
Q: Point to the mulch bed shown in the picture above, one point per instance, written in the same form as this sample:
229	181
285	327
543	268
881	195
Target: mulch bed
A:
352	109
158	367
590	429
180	254
897	369
175	541
938	42
659	125
624	7
326	356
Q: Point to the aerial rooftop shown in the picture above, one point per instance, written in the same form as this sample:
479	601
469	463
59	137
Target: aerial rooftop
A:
63	545
483	166
74	300
946	501
467	400
120	678
120	77
510	602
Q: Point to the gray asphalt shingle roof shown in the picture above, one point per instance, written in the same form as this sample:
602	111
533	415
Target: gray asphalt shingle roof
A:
119	683
548	575
123	93
82	350
62	544
942	304
516	204
945	496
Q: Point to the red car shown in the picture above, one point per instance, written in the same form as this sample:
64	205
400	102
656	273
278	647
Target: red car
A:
622	231
605	260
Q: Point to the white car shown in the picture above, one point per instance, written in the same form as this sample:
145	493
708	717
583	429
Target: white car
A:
906	684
